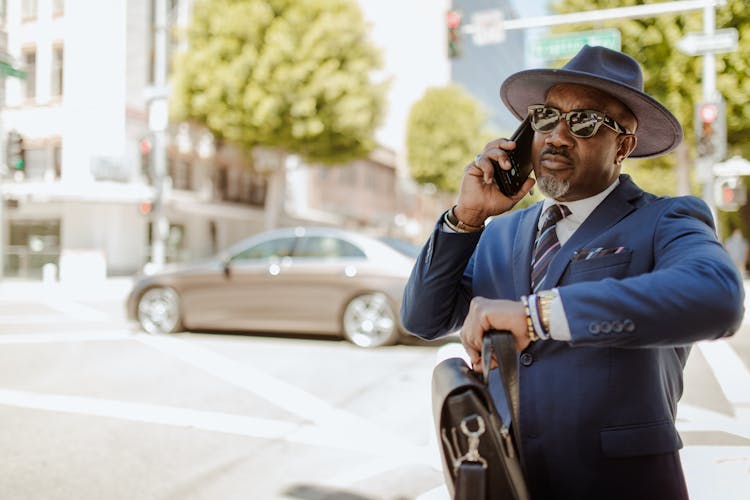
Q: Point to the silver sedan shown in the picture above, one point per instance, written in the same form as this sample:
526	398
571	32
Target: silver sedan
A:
299	280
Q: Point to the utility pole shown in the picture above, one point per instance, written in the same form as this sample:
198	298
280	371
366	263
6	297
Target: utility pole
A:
158	121
710	93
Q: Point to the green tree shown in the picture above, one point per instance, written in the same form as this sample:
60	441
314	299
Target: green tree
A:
444	132
675	78
294	76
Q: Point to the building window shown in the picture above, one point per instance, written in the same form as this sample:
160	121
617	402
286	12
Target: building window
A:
58	8
240	186
37	160
348	174
56	87
31	245
43	159
28	10
180	172
29	62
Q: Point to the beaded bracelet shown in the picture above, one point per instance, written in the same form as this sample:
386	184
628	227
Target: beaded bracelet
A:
536	320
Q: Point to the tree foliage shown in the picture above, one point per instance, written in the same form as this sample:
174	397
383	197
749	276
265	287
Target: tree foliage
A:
674	78
444	132
292	75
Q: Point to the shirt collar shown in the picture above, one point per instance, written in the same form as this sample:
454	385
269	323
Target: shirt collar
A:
579	209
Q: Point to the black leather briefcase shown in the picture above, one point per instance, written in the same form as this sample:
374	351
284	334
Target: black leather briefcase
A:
481	458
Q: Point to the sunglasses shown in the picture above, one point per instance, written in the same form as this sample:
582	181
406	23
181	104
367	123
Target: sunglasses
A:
582	123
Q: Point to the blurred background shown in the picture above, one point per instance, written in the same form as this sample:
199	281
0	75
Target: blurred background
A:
138	137
150	132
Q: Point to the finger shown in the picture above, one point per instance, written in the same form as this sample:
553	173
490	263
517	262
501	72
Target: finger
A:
477	366
484	168
500	155
468	335
525	189
501	143
475	356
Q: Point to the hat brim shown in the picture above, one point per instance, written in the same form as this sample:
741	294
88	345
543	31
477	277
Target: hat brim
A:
658	130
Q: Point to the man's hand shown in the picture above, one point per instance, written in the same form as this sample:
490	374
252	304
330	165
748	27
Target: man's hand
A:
486	314
479	197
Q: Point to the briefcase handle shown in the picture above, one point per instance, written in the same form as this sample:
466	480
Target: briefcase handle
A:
502	343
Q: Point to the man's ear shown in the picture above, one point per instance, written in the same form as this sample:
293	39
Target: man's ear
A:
627	145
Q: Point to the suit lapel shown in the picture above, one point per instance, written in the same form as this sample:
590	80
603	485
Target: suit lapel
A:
610	211
522	249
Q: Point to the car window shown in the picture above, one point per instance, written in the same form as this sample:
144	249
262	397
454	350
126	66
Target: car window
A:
326	247
280	247
404	247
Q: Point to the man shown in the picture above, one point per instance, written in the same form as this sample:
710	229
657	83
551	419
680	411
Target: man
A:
605	304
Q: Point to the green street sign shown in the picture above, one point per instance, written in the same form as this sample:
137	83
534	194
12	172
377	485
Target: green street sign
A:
8	70
568	45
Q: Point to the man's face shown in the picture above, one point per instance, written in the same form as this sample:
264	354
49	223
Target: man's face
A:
570	168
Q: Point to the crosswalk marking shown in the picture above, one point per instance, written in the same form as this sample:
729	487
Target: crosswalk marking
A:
331	424
327	435
730	372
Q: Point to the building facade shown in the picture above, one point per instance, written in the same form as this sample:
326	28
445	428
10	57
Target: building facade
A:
81	205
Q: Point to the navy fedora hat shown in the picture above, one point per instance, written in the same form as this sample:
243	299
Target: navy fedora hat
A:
610	71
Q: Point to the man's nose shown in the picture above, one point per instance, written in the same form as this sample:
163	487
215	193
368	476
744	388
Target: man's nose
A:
560	136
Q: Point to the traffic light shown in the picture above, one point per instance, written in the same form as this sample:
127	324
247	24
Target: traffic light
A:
453	20
15	152
144	148
730	193
145	207
710	130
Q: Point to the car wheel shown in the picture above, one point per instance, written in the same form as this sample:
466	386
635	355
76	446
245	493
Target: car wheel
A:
369	321
159	310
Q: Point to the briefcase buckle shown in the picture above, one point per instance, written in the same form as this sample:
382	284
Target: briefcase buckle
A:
472	455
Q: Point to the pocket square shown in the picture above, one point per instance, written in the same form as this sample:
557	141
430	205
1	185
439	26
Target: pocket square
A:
591	253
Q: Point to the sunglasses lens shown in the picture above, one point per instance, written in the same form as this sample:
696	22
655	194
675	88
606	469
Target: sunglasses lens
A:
544	119
583	123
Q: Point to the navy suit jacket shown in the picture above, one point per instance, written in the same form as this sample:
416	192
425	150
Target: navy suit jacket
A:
596	413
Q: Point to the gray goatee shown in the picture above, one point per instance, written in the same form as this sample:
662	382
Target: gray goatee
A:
553	187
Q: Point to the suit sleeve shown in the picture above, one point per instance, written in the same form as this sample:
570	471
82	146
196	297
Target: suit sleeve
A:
693	291
437	295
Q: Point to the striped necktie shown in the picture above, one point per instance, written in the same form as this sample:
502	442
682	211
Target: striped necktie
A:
546	244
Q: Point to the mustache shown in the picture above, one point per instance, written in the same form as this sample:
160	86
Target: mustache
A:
555	151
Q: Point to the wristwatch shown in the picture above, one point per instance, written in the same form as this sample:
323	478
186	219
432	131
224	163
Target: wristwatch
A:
544	301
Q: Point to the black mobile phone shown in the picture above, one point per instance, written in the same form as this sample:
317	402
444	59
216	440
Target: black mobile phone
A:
510	181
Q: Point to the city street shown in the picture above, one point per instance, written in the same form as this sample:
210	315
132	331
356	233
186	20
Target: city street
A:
92	409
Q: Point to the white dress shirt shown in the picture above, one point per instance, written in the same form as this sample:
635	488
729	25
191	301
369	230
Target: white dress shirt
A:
579	212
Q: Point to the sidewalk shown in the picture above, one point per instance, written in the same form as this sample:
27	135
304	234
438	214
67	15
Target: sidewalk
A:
106	289
715	471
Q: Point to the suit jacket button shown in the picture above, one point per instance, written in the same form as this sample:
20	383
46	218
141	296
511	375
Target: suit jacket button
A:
594	328
606	327
527	359
617	326
628	325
